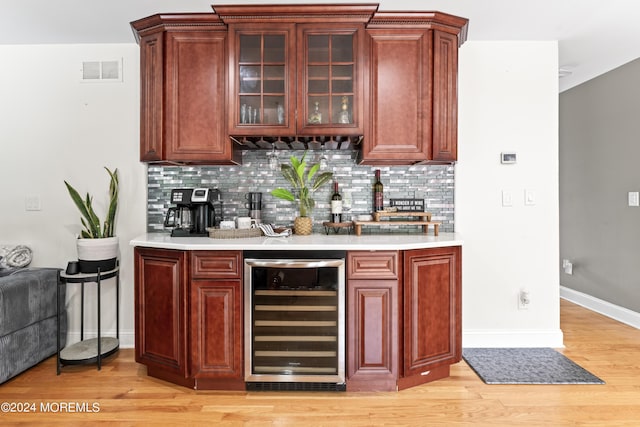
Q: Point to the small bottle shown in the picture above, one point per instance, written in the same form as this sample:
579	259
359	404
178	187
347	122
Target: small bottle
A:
336	204
343	116
315	118
280	113
378	193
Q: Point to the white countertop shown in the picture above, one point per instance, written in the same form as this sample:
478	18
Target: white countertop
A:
302	243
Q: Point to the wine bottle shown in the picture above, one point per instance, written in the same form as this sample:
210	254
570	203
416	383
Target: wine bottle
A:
378	193
336	204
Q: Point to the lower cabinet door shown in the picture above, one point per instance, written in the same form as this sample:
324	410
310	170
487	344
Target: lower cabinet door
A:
432	311
216	329
161	307
372	334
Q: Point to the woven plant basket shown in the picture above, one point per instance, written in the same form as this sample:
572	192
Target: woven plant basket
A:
303	225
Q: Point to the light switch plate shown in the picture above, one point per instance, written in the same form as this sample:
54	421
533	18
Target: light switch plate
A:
507	198
634	198
529	197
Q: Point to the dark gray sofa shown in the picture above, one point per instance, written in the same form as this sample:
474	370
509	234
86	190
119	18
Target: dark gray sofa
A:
28	328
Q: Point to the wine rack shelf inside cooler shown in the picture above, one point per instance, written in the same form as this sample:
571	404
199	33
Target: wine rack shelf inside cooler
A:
295	332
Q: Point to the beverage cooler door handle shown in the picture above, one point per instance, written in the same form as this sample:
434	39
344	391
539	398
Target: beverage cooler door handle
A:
294	263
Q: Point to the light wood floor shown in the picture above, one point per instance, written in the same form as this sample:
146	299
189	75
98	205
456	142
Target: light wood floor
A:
123	395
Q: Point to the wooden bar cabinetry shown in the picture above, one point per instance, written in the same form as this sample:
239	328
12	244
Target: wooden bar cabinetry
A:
189	316
432	330
403	317
216	320
161	313
373	292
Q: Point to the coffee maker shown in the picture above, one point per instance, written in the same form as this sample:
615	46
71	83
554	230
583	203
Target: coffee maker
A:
196	209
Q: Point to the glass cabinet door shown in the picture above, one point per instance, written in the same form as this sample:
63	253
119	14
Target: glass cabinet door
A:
329	80
296	79
262	81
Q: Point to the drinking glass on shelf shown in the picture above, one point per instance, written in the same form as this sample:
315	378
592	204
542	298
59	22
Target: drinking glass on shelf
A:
243	113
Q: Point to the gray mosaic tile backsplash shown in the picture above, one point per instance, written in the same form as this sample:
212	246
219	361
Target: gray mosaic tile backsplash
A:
433	183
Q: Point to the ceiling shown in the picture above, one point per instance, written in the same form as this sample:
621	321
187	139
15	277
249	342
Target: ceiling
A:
594	36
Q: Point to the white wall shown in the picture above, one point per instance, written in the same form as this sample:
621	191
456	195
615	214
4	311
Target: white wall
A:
508	101
55	128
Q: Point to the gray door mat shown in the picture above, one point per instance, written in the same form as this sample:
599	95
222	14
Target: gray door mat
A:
526	366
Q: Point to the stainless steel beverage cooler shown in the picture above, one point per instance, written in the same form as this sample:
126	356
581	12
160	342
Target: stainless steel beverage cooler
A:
295	318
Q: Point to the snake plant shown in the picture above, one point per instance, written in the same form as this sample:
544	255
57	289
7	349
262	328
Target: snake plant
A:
90	221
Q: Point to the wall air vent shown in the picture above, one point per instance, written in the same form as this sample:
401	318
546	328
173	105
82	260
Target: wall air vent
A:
102	71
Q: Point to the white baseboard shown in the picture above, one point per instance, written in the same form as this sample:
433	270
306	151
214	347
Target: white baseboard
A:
511	338
127	338
605	308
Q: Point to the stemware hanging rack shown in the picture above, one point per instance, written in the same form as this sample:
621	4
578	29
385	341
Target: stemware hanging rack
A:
298	142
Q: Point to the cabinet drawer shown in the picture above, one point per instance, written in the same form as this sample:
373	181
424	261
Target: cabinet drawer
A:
216	264
373	265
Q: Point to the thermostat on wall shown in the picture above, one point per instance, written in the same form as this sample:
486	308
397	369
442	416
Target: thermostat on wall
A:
508	157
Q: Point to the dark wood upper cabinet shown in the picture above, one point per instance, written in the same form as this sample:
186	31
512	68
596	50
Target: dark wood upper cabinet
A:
296	70
262	79
444	140
183	63
412	87
213	84
151	89
330	79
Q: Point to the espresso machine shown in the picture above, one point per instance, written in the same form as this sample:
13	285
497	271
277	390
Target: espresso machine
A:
195	210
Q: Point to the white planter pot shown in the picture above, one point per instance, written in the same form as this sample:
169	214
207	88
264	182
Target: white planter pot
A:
95	254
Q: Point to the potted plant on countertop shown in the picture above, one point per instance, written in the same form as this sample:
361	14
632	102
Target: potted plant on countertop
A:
305	183
97	245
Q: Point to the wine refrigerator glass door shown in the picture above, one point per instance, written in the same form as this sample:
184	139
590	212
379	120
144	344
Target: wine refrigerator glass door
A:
295	311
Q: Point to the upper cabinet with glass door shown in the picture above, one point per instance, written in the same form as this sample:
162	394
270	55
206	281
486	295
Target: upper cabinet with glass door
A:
296	70
261	80
330	85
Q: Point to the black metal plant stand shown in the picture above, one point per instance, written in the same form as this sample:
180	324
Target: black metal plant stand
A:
91	350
